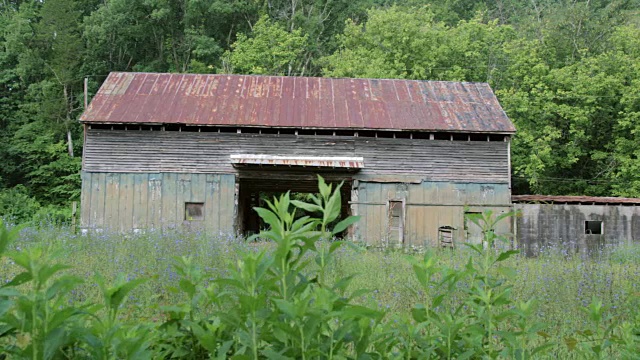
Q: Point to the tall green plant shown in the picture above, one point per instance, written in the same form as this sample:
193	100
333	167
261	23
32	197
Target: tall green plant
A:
36	320
285	307
487	323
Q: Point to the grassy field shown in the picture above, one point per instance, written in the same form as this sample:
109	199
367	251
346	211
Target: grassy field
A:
563	285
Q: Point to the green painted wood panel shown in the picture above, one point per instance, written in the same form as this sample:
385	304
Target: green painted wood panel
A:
227	203
183	195
97	207
127	201
154	202
140	199
85	198
428	206
169	188
212	201
112	200
125	205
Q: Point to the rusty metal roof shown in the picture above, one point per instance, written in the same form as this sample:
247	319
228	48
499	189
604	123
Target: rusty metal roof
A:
586	200
297	102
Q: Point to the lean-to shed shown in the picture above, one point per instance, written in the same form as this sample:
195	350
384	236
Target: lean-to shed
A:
582	224
168	150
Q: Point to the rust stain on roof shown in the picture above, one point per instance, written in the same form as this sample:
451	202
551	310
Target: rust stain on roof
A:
586	200
297	102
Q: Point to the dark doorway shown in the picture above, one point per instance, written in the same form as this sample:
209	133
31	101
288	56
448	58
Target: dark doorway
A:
255	187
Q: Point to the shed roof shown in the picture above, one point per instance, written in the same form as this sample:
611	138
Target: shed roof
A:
297	102
585	200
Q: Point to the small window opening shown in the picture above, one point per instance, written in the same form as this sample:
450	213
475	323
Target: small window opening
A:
306	132
421	135
478	137
193	211
251	130
324	132
442	136
270	131
385	134
593	227
287	131
370	134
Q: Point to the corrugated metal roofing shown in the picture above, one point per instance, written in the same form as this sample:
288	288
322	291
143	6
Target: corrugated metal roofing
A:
297	102
586	200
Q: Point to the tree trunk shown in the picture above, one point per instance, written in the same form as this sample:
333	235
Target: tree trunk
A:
69	142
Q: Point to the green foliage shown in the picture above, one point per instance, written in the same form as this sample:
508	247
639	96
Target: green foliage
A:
412	43
270	51
480	302
16	205
564	71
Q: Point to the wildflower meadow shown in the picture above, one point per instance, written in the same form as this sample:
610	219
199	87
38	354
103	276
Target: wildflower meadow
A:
291	294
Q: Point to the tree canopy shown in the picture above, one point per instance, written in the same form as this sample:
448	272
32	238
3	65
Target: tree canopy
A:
566	72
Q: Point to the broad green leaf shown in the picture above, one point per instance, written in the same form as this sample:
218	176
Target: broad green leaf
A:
342	225
571	343
306	206
507	254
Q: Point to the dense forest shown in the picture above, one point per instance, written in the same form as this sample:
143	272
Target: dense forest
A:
567	72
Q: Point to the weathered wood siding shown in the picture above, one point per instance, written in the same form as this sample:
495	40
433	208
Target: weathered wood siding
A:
141	179
561	227
117	151
428	206
128	201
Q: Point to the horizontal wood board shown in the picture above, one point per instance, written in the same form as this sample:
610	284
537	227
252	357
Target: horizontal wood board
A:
121	151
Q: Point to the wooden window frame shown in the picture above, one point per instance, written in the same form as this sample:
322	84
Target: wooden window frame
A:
403	216
587	230
186	213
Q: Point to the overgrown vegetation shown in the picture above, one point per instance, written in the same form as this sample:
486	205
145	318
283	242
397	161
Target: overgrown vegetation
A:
566	72
301	296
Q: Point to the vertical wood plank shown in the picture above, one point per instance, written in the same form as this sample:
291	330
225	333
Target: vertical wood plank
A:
361	227
379	220
98	200
85	200
140	199
154	202
212	199
112	200
198	184
183	195
226	204
169	199
413	221
125	204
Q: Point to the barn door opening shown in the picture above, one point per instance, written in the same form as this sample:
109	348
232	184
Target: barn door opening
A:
254	189
473	232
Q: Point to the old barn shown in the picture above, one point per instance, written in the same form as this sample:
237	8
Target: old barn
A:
199	151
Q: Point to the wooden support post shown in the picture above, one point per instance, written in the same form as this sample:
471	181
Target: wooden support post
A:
74	211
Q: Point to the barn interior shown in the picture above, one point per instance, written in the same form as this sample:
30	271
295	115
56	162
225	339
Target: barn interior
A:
261	184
